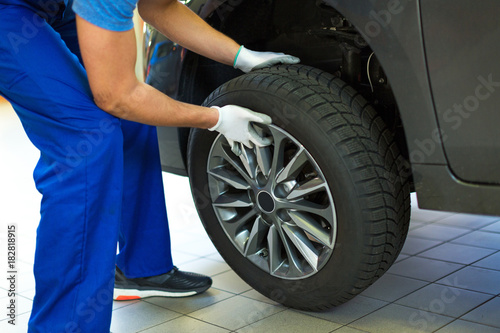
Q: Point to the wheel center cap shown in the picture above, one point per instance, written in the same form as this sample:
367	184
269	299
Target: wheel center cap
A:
266	202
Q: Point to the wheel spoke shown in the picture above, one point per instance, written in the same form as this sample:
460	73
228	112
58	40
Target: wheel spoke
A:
303	244
310	207
264	159
293	167
234	226
249	161
233	200
226	153
294	265
274	244
277	160
314	185
257	235
312	227
230	178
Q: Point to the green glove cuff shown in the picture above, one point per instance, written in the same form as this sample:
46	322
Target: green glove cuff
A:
237	54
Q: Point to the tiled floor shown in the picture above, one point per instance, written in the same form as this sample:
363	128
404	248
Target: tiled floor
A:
447	278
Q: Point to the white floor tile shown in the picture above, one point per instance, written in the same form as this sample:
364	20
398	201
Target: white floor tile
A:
236	312
392	287
462	326
476	279
486	314
253	294
396	319
20	325
353	310
495	227
290	322
444	300
468	221
414	245
438	232
206	266
488	240
140	316
186	325
188	305
347	329
424	269
230	282
461	254
491	262
22	306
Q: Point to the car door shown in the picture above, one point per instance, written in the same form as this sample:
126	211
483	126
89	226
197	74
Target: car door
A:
462	43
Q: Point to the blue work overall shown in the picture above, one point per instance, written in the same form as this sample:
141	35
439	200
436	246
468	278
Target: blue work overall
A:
100	176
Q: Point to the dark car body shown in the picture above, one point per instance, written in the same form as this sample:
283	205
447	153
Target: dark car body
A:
430	67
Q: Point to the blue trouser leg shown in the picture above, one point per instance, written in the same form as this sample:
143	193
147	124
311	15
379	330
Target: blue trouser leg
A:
88	173
144	236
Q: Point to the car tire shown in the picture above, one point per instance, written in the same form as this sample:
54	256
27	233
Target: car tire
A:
316	217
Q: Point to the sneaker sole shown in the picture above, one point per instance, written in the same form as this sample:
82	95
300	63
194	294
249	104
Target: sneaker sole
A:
132	294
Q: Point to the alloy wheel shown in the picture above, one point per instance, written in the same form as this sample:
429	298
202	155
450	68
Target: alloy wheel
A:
274	204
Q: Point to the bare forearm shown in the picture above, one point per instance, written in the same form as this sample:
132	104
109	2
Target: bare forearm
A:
145	104
180	24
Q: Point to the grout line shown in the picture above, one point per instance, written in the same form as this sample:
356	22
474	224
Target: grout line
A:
447	275
489	255
186	316
264	318
449	241
428	284
454	320
206	322
203	307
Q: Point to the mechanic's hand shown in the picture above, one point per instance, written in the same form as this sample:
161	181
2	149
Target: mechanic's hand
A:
235	124
247	60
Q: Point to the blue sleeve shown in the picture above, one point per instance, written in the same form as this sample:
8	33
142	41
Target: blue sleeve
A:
113	15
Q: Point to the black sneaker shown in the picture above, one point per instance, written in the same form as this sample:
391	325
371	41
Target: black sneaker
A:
175	283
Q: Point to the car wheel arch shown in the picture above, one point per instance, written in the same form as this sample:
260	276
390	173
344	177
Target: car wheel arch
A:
400	53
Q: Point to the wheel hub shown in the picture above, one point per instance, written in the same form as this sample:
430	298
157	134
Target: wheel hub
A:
266	202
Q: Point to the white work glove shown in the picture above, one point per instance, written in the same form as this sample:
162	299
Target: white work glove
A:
248	60
235	124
